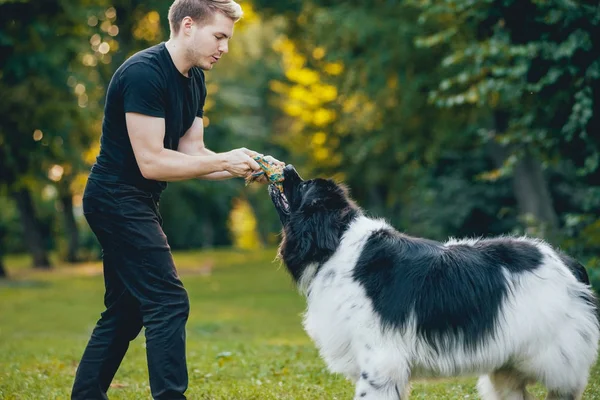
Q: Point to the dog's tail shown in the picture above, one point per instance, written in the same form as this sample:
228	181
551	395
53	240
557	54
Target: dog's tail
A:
579	271
576	268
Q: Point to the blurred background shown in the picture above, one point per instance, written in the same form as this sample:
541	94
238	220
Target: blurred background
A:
446	117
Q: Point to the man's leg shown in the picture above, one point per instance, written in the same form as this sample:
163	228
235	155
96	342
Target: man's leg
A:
152	279
146	270
120	323
150	276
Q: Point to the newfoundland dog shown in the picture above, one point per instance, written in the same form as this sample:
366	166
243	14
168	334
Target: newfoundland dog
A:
385	307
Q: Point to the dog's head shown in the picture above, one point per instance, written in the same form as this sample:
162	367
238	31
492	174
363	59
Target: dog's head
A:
314	213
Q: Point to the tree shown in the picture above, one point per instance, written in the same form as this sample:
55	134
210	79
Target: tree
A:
533	68
45	124
3	273
355	91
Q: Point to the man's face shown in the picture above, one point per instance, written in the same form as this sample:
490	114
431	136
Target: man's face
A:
206	43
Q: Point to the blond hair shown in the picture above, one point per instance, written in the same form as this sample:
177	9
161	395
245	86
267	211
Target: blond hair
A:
201	11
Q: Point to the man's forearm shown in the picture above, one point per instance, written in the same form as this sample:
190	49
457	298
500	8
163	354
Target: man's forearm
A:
170	165
215	176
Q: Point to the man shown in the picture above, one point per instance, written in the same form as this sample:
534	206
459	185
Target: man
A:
152	133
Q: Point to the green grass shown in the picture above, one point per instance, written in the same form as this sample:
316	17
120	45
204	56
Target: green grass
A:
245	339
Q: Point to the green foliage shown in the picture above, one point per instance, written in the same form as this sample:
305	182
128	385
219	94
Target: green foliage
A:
43	123
535	60
195	213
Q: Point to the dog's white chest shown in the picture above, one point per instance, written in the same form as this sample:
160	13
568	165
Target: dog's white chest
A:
336	317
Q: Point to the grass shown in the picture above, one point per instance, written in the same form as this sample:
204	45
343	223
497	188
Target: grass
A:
245	339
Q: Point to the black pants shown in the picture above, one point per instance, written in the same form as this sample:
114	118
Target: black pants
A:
142	290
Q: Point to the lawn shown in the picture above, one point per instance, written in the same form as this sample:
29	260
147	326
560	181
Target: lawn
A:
245	339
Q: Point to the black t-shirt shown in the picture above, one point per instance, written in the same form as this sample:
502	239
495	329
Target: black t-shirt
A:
147	83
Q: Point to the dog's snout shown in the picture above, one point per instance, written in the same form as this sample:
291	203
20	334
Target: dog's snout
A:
290	173
288	169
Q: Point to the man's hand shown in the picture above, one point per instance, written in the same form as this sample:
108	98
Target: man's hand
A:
240	162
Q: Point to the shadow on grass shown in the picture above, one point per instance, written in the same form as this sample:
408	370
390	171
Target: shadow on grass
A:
23	284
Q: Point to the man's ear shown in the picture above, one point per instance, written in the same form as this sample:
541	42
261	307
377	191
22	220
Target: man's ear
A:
186	25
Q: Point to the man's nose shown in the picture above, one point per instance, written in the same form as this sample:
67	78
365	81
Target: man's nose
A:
224	47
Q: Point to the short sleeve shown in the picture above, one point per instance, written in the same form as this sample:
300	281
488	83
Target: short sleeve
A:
201	83
143	90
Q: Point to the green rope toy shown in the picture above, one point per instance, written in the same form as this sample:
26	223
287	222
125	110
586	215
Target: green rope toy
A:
273	171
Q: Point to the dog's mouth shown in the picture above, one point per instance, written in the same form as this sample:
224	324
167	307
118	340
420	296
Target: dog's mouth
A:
284	199
278	197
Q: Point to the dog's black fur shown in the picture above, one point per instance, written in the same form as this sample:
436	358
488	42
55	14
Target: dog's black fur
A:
315	214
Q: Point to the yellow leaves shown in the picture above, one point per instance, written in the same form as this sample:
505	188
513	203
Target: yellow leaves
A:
321	154
306	99
334	68
318	139
326	93
153	17
114	45
351	104
318	53
211	89
492	175
78	184
293	109
89	157
250	16
148	28
358	102
242	225
322	117
302	94
278	87
283	45
303	76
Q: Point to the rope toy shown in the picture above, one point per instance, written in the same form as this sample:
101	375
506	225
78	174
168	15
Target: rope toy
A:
273	171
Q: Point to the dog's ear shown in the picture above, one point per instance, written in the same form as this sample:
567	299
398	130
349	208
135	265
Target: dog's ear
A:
310	237
325	229
297	245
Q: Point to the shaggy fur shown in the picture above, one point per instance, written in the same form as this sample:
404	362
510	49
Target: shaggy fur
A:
384	307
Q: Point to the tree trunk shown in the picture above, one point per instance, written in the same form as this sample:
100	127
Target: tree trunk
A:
31	229
529	184
71	230
532	193
2	269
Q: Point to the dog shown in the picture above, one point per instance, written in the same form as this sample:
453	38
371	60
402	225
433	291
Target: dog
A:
384	307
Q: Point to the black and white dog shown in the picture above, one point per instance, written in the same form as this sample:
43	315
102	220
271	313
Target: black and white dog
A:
384	307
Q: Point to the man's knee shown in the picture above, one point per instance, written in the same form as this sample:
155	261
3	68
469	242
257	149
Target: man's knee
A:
172	306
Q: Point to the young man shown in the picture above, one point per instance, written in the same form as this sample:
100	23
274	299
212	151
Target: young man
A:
152	133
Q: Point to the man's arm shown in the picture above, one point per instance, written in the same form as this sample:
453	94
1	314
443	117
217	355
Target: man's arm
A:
192	143
157	163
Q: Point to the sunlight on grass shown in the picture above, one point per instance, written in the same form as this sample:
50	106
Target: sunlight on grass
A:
245	339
